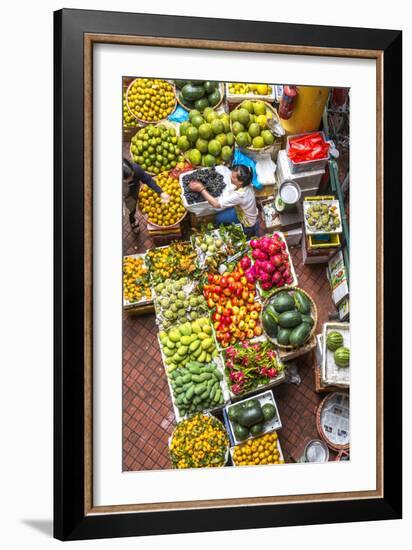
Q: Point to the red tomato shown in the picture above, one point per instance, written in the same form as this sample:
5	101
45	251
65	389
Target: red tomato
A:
223	282
210	278
216	316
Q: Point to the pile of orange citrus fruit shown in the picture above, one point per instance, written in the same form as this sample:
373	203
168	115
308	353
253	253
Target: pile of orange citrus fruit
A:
135	280
261	450
151	100
151	205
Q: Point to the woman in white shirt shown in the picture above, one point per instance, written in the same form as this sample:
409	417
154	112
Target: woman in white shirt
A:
237	206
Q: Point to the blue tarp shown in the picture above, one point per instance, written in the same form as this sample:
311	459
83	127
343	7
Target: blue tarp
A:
241	158
179	115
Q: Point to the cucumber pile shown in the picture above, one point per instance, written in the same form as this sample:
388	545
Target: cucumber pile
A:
196	387
287	318
248	418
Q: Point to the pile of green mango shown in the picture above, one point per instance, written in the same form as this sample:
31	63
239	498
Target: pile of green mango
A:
196	387
190	341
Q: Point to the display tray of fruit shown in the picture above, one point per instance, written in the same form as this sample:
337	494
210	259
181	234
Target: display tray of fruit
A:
289	317
233	305
171	262
215	246
199	94
271	265
250	122
260	451
206	139
322	216
197	387
155	148
188	341
150	100
239	91
136	281
251	366
199	441
156	212
252	417
177	301
336	354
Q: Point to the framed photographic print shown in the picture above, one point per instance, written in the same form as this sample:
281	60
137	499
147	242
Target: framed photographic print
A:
227	274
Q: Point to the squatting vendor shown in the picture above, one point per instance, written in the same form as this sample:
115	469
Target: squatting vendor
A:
239	204
133	177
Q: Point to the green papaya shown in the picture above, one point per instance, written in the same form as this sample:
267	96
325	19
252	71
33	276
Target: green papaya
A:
302	303
283	336
299	334
289	319
283	302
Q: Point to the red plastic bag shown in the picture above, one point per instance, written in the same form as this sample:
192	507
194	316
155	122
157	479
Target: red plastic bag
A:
309	147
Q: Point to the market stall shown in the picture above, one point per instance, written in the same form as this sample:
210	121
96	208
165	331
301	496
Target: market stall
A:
235	322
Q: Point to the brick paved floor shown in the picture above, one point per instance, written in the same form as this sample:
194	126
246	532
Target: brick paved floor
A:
148	418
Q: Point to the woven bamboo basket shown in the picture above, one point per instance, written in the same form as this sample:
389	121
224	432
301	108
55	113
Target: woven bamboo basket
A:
142	121
222	95
334	446
167	124
314	315
163	226
267	147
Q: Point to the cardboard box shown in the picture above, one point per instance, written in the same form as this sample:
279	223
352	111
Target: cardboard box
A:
319	258
336	274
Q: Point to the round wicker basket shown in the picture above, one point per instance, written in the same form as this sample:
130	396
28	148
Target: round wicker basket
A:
156	224
165	123
222	94
142	121
314	314
267	147
334	446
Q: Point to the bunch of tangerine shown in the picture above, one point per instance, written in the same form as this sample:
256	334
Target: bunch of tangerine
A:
150	99
157	212
261	450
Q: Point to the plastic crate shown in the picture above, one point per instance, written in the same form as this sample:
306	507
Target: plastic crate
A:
270	426
308	165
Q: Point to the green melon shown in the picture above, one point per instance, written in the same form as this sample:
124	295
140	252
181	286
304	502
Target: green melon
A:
334	340
342	357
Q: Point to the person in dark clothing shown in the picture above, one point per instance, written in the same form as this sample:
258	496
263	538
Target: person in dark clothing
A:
133	177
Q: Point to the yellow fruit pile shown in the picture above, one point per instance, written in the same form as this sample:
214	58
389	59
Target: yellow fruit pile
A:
135	280
199	442
174	261
240	88
261	450
157	212
151	100
128	120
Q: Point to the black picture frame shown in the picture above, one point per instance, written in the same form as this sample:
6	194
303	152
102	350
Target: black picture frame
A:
70	520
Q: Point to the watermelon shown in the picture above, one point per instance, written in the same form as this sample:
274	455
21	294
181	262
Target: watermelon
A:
342	357
334	340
